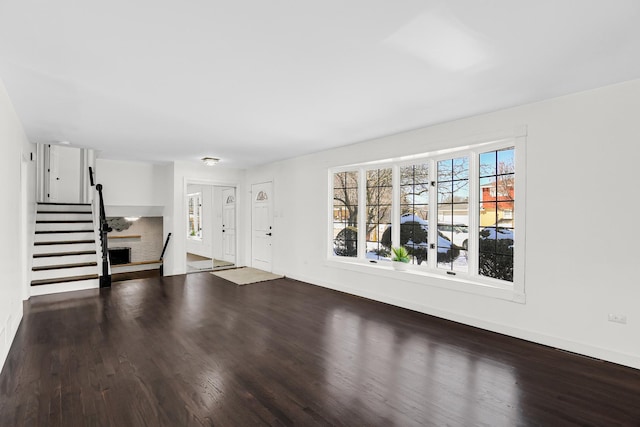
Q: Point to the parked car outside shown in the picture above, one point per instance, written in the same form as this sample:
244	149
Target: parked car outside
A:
456	233
497	233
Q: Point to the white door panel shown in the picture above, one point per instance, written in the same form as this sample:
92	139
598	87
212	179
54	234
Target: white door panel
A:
64	174
261	225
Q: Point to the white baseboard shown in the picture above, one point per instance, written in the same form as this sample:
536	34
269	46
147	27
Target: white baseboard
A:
8	330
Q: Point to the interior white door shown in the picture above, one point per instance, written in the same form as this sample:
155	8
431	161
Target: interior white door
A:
229	225
64	174
261	225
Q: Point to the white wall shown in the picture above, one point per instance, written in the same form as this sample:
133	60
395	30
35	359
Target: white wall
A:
582	155
17	192
133	188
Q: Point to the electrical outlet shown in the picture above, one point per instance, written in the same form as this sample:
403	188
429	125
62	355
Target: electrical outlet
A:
618	318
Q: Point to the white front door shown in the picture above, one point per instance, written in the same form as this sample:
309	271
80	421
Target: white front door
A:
261	225
64	174
229	225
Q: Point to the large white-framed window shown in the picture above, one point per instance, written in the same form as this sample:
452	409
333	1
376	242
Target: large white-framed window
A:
457	212
194	209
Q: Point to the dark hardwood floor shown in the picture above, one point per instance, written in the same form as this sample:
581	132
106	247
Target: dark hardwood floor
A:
197	350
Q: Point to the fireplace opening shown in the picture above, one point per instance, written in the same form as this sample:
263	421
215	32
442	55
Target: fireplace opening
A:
119	256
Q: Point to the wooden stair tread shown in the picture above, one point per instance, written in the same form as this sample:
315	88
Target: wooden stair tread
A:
63	231
63	279
64	242
63	204
61	266
62	221
65	212
52	254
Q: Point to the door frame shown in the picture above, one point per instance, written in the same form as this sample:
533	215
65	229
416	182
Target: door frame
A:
182	261
235	224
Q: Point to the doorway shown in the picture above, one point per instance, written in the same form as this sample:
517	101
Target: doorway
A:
211	232
63	174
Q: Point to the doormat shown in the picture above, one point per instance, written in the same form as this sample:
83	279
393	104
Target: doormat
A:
217	263
206	264
246	275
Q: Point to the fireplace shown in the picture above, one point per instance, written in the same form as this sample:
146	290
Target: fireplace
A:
119	256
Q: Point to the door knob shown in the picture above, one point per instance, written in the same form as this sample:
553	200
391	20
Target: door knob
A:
268	234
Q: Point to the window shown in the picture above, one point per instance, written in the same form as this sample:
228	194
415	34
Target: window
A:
454	211
379	195
195	216
345	214
496	225
414	211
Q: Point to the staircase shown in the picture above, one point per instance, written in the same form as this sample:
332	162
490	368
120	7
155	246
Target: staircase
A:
64	253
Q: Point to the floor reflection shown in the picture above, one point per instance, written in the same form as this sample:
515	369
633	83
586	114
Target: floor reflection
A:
391	372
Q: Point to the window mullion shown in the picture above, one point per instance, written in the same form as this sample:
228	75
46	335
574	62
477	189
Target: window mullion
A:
395	207
433	216
362	213
474	212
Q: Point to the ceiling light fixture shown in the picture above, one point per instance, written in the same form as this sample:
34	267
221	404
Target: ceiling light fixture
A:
132	218
210	161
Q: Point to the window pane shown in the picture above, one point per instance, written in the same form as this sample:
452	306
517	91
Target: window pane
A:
488	164
488	189
488	214
504	187
506	161
505	214
445	170
496	235
460	191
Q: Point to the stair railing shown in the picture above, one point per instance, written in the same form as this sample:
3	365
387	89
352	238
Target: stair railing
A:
105	277
166	242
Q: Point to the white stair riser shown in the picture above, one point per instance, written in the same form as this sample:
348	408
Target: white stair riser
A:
63	217
65	226
63	272
69	259
59	237
46	249
64	287
59	208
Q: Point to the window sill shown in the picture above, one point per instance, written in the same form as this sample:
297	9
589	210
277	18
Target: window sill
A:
488	288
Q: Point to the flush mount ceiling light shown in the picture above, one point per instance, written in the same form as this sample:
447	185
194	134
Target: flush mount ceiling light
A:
132	218
210	161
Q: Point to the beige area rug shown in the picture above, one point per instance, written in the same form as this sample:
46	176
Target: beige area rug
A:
246	275
217	263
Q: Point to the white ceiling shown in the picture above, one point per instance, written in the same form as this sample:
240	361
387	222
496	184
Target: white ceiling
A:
252	81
